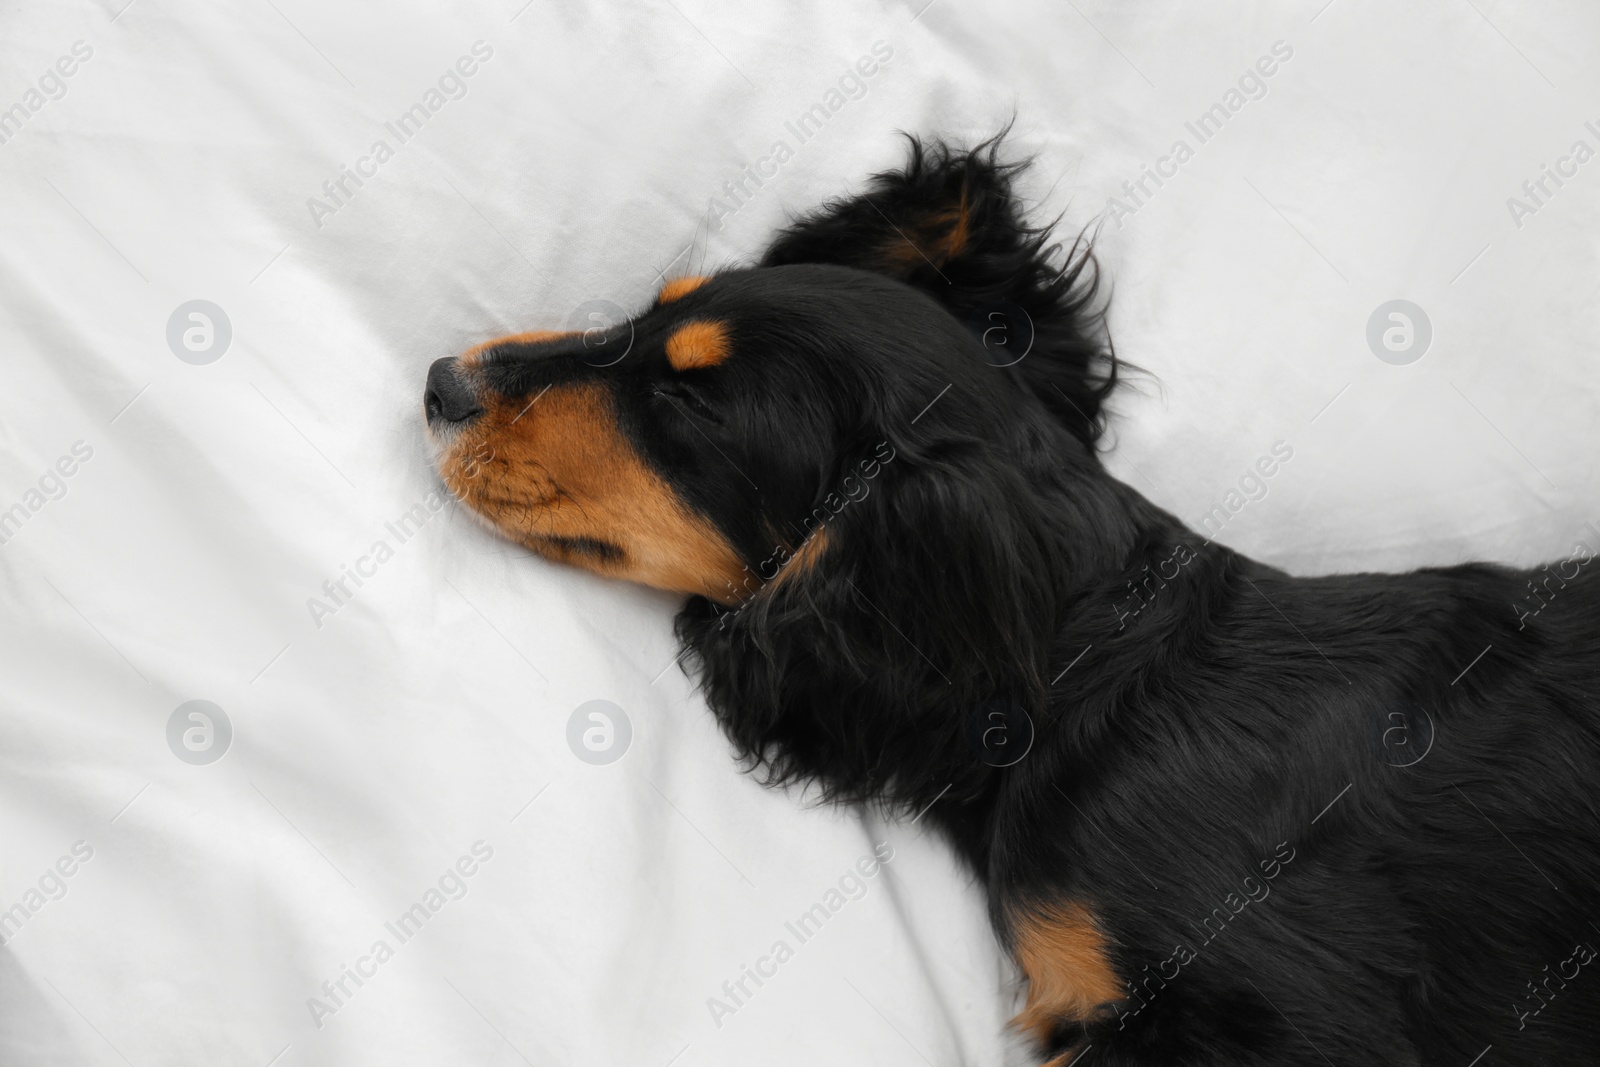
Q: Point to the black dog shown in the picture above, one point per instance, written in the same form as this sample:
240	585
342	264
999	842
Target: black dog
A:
1261	820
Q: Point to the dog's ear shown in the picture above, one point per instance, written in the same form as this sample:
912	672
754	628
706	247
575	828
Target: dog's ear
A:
914	611
950	223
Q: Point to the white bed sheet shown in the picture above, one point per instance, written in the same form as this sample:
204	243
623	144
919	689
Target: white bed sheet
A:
375	746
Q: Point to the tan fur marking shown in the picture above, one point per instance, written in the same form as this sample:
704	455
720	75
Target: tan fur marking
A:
1065	1058
678	287
1063	953
698	344
473	356
560	468
803	560
955	241
940	238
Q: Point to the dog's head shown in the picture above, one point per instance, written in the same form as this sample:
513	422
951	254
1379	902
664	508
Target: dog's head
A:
697	461
868	433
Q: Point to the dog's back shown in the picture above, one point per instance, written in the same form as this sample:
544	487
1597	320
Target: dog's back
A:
1360	806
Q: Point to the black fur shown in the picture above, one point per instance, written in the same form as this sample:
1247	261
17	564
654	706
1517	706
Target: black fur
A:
1330	821
1224	760
1004	282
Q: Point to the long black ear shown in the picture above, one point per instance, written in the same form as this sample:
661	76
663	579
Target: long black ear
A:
950	223
891	641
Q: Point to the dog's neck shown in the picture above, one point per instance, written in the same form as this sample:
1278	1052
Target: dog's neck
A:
879	683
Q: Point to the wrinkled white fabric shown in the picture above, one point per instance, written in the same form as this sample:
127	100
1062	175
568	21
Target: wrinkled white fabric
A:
397	769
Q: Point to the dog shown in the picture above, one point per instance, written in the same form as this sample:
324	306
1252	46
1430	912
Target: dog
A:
1260	819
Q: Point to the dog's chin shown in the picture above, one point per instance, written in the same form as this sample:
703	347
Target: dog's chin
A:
447	467
522	528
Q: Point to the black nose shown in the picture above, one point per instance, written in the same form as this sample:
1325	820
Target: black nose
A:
447	396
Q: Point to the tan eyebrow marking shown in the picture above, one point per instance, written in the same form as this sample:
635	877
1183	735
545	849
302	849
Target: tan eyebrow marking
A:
681	287
696	345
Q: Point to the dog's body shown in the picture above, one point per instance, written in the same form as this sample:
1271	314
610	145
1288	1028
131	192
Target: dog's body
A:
1223	815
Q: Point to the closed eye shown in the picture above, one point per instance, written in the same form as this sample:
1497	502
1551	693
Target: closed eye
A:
685	398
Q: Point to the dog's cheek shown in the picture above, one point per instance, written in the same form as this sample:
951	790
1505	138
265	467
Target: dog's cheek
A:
570	439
